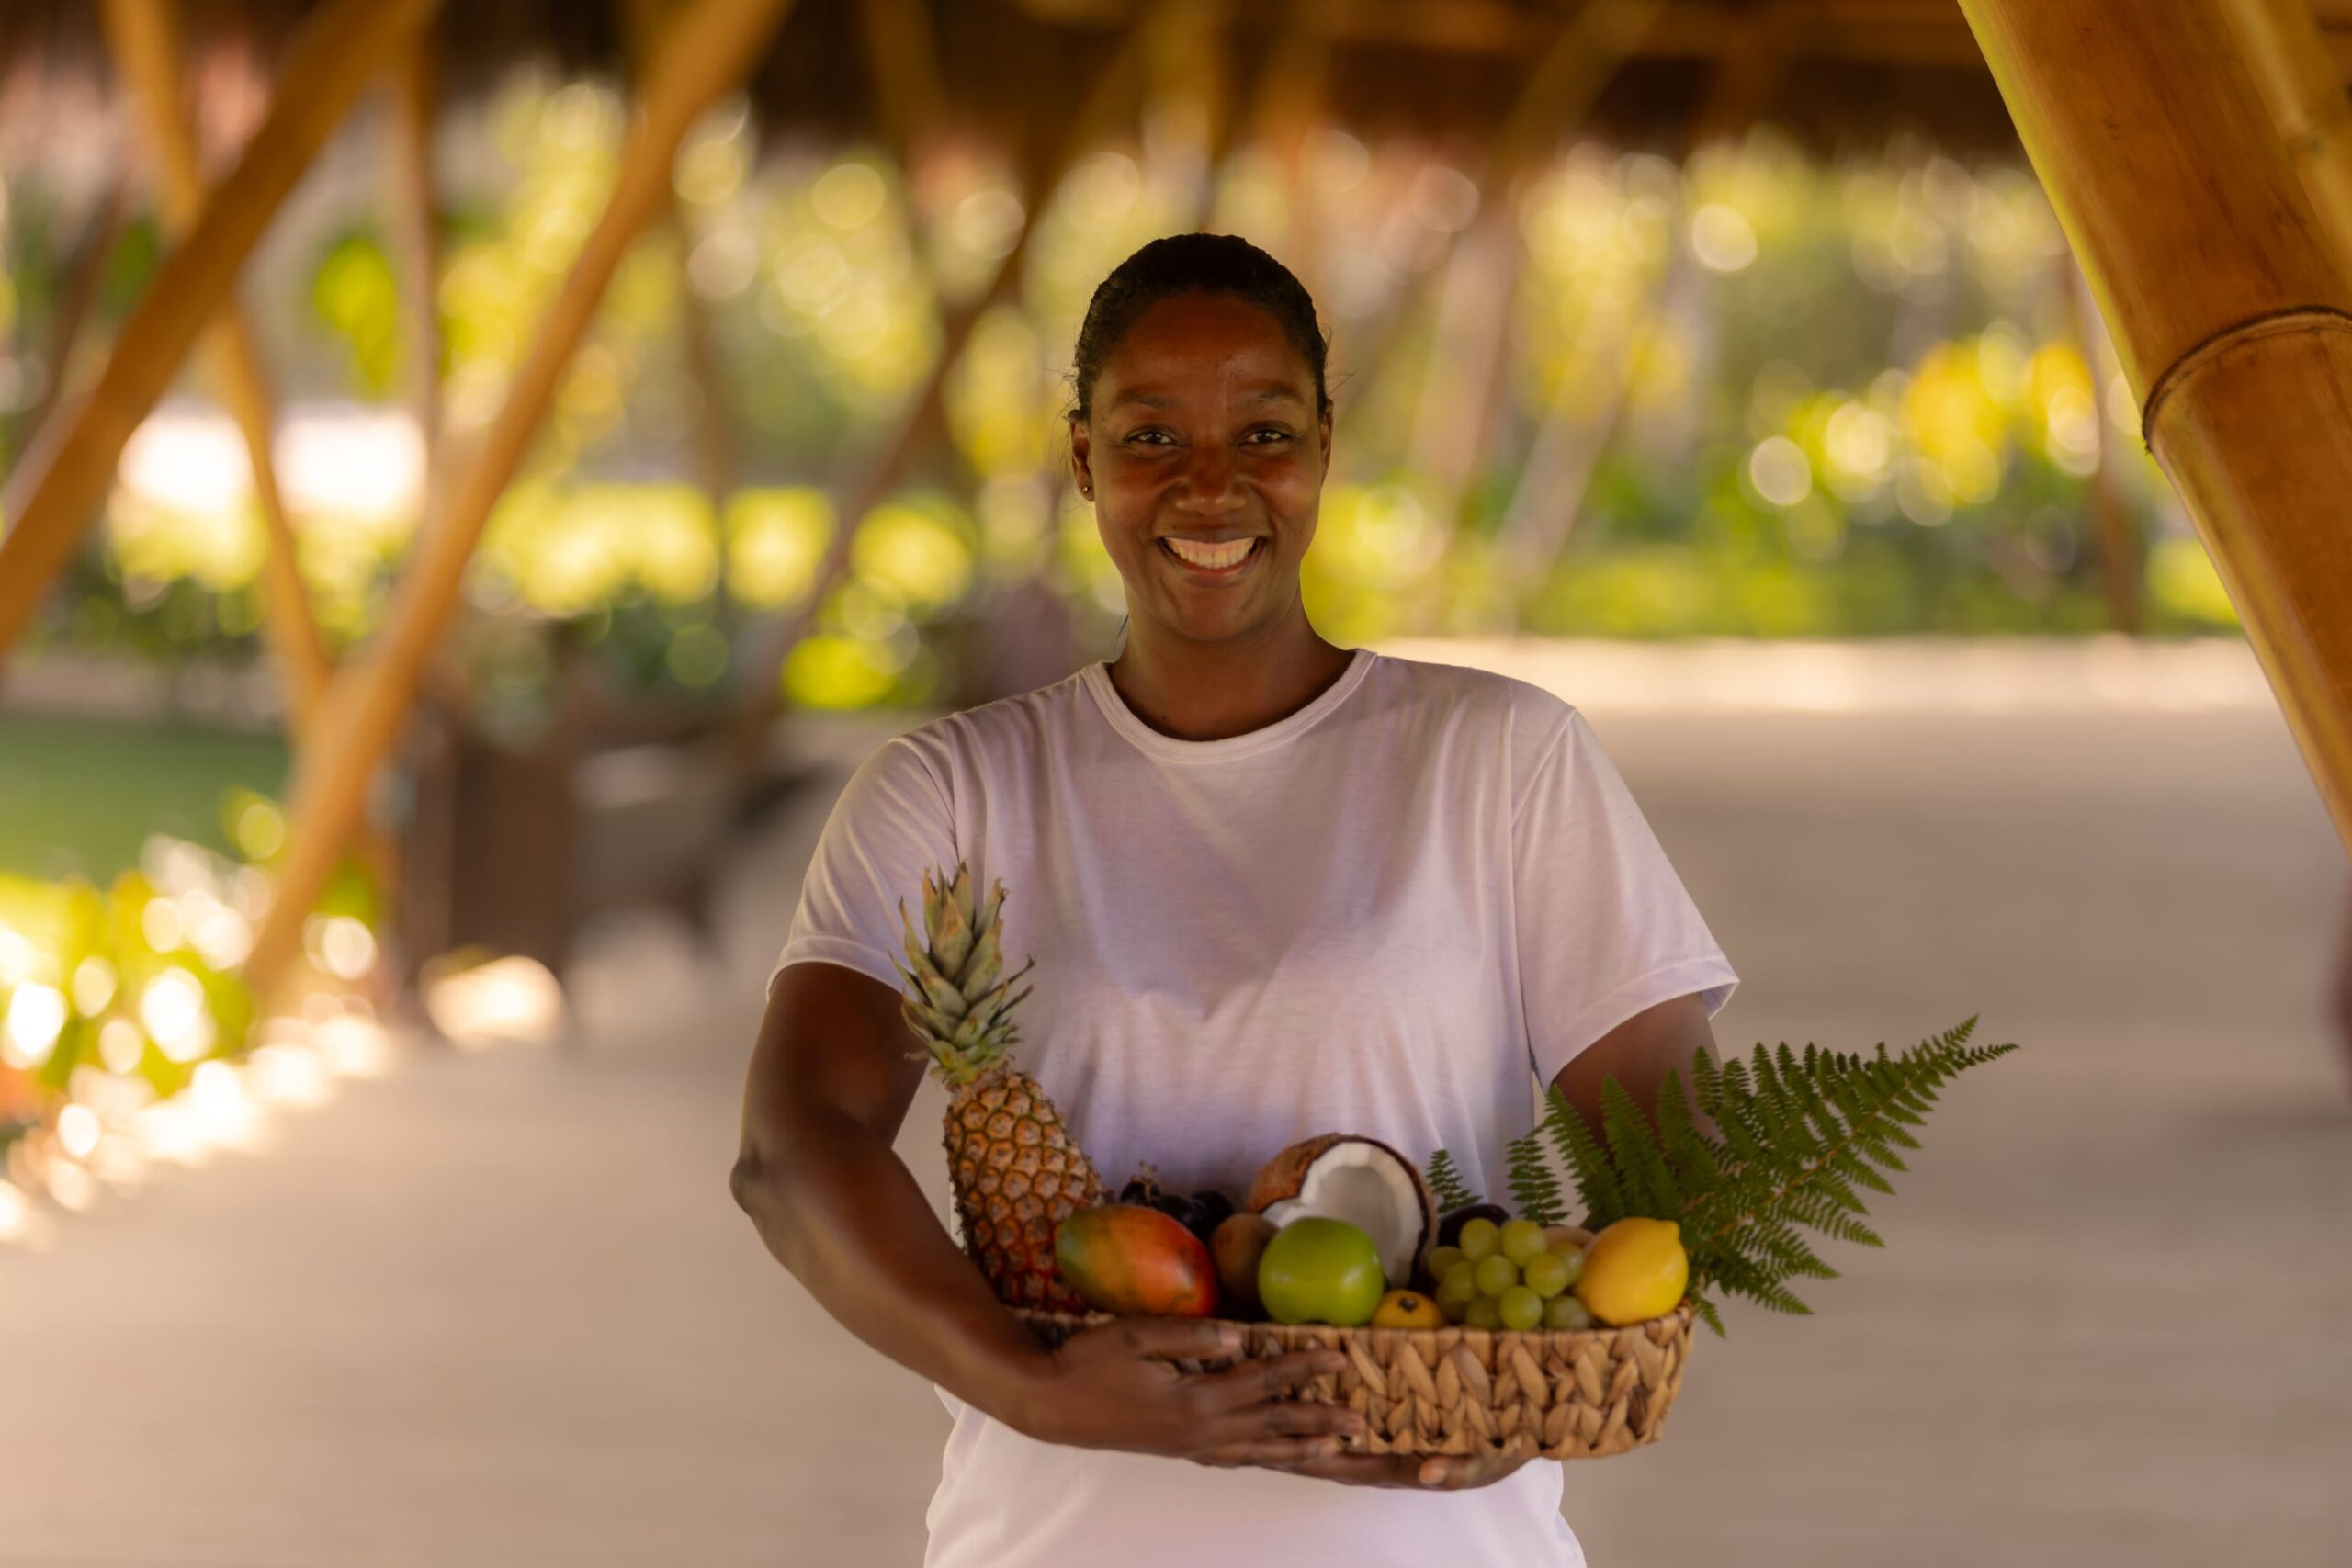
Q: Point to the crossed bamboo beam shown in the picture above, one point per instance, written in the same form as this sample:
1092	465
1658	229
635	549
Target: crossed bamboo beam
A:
710	50
56	488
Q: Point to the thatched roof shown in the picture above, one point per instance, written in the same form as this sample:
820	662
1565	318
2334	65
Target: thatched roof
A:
1845	72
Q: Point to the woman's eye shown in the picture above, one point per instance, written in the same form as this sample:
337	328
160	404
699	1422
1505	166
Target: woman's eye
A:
1148	438
1268	436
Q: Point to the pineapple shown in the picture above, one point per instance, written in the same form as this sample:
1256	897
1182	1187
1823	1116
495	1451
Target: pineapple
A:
1016	1172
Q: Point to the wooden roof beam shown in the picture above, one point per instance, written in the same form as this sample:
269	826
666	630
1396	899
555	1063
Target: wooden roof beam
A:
2232	321
57	487
711	52
144	36
909	86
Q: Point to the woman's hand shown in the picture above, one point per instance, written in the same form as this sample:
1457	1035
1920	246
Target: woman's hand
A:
1116	1386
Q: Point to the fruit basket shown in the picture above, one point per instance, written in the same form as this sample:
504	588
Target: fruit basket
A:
1581	1393
1467	1328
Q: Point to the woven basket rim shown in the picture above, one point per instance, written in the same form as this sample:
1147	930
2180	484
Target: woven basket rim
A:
1684	1312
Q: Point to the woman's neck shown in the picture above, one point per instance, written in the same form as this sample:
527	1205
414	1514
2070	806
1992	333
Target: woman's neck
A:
1204	691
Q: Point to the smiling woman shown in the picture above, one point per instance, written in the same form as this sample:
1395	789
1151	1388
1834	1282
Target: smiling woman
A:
1203	433
1272	887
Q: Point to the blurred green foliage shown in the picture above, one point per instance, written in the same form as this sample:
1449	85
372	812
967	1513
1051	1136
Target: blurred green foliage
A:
1760	395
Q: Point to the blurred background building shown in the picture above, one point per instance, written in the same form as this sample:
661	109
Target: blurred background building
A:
1655	324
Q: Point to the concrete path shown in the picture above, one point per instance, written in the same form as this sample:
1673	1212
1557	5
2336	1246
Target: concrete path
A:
498	1310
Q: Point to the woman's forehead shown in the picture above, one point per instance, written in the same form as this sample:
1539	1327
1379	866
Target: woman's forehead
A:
1194	340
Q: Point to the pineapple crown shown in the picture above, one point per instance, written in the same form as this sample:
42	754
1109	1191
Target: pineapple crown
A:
959	998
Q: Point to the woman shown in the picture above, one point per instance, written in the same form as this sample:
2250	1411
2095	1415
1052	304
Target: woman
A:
1272	887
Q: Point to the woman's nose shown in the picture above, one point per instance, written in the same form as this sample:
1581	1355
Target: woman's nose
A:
1211	480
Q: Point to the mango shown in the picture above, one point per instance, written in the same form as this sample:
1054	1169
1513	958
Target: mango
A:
1136	1262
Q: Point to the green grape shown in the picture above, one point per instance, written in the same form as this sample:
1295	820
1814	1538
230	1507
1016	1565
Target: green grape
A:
1519	1308
1573	1259
1496	1274
1482	1314
1522	1240
1460	1286
1478	1239
1453	1310
1546	1274
1565	1312
1442	1258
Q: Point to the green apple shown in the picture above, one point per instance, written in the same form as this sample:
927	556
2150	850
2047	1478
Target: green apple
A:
1321	1270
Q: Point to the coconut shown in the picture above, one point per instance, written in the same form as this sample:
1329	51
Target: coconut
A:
1340	1175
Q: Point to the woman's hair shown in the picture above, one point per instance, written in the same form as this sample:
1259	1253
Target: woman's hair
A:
1195	263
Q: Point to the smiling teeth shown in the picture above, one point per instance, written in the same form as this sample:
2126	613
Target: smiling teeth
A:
1214	558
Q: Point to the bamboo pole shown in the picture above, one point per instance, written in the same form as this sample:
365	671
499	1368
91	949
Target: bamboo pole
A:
716	465
2113	527
144	36
1566	80
1472	336
1548	499
85	266
416	231
56	489
2289	56
909	89
1291	102
706	54
2234	326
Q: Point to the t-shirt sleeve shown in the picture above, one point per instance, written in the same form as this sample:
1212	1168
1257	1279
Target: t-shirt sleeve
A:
891	825
1605	929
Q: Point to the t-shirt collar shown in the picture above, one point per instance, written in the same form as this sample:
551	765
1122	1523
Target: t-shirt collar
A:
1096	678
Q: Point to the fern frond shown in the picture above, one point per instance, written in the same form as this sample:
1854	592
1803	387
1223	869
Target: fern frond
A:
1445	1182
1758	1152
1534	1189
1596	1182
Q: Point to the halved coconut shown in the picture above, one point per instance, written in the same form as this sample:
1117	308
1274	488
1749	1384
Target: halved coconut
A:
1340	1175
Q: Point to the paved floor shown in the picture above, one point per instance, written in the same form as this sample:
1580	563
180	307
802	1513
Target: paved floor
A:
499	1310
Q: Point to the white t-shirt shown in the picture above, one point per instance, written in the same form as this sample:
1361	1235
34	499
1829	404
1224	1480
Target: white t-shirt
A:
1379	915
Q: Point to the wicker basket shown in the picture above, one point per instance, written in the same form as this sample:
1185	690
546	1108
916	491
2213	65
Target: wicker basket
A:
1580	1394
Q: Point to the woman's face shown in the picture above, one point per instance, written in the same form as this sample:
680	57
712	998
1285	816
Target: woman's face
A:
1204	454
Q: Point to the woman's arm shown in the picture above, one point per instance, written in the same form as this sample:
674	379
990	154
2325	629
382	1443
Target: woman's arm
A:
1638	1053
830	1083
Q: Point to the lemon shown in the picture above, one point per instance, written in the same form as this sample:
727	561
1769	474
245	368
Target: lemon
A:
1634	1270
1408	1309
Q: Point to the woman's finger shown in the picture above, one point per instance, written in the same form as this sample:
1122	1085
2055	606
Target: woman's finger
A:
1276	1377
1173	1338
1461	1472
1287	1417
1269	1454
1361	1470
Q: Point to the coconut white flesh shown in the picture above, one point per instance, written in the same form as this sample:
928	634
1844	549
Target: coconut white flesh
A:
1368	1188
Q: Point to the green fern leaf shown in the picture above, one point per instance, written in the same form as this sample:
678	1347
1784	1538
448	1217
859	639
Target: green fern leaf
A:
1445	1182
1759	1152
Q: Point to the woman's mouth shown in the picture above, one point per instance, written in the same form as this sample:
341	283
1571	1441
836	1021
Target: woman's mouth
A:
1225	558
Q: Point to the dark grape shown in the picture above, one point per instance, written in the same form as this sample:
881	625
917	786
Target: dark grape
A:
1181	1208
1135	1192
1215	1206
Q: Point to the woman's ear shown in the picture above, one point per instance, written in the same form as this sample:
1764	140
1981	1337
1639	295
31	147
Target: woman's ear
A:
1081	448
